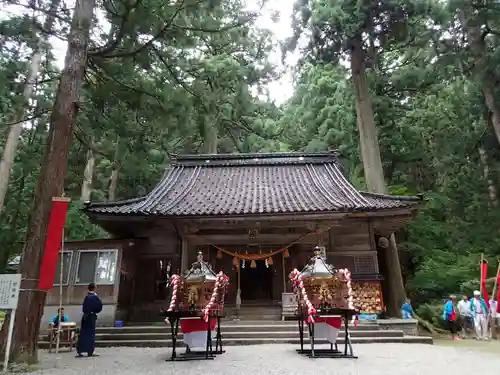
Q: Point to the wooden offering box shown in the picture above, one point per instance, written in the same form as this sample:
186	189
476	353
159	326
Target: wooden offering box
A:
199	283
326	287
368	297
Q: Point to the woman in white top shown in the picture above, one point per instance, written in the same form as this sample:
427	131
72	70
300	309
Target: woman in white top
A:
494	319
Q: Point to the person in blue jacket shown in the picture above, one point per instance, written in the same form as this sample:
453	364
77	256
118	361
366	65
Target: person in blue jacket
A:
450	316
91	306
479	312
406	309
54	322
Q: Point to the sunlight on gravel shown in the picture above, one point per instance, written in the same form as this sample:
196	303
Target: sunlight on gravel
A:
376	359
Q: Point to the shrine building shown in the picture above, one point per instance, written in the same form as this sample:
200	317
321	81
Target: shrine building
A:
263	212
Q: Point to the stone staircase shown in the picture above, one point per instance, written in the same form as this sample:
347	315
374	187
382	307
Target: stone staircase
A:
251	332
255	311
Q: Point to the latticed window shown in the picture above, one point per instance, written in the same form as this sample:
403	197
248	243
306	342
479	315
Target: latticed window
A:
365	264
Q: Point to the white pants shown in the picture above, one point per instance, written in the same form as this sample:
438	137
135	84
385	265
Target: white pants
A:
481	326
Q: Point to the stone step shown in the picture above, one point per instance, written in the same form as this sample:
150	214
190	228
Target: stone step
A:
258	341
232	321
233	335
243	315
225	327
254	304
255	310
270	317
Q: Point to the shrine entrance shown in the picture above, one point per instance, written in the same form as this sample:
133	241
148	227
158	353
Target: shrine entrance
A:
257	283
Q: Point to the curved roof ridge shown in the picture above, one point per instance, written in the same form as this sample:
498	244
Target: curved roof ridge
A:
348	188
114	203
323	189
412	198
255	155
160	190
190	184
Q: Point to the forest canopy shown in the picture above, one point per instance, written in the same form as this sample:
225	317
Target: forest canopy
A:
407	90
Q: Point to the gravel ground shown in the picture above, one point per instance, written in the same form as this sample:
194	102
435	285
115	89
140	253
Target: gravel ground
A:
374	359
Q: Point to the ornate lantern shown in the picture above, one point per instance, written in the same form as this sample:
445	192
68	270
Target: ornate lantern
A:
320	286
199	283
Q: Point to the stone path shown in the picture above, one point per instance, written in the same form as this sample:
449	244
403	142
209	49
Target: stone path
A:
374	359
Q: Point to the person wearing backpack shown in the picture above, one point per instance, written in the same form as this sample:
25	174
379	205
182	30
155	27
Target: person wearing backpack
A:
450	317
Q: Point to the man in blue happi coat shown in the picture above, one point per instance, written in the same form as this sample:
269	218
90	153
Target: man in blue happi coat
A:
61	316
91	306
479	312
406	309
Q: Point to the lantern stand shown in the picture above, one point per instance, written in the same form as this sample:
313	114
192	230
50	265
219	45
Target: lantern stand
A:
199	294
174	318
316	279
333	351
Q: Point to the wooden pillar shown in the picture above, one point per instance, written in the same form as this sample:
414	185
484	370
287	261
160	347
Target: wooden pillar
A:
396	293
283	269
184	254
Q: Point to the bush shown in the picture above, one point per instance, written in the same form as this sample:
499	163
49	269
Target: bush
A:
432	312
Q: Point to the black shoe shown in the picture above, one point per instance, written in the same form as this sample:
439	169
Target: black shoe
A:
79	355
93	355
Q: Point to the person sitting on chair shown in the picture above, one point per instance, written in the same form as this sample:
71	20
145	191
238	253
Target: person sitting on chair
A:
54	322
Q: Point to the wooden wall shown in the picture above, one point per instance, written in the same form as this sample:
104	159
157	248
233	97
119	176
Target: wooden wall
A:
160	245
352	246
161	242
74	294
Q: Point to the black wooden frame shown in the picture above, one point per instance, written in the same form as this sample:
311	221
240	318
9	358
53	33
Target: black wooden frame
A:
333	352
174	318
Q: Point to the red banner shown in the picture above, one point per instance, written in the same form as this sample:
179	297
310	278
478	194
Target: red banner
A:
53	242
484	275
498	293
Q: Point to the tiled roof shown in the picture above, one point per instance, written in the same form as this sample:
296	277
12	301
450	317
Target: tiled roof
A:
383	201
237	184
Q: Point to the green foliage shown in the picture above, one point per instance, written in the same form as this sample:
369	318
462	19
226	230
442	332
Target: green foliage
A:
431	116
186	77
78	227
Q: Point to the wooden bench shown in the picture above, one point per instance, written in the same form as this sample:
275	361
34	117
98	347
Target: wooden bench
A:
68	332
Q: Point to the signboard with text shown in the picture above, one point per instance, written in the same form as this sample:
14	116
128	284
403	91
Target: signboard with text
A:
9	291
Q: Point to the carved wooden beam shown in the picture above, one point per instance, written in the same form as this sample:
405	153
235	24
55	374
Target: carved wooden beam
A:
387	226
261	239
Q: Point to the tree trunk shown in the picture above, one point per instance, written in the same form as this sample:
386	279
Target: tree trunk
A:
370	152
115	172
372	165
113	184
9	246
87	177
210	141
493	106
484	158
486	76
492	190
12	143
50	184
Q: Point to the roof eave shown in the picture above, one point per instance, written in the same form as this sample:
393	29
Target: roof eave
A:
310	214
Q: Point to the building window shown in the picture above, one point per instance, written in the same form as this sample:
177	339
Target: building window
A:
365	265
67	257
97	266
